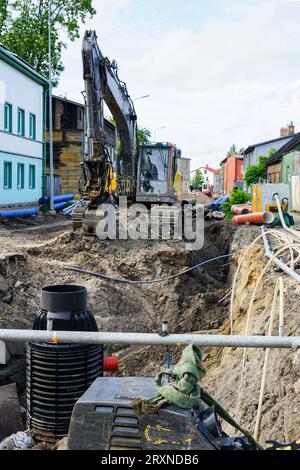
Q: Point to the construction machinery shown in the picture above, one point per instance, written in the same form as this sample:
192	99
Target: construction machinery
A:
143	172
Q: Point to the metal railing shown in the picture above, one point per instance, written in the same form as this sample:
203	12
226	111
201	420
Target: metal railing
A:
211	340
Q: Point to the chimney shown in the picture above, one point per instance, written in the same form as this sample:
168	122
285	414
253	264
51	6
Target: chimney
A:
291	129
286	131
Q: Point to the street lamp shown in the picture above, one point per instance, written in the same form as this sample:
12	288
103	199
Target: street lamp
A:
140	98
50	114
157	129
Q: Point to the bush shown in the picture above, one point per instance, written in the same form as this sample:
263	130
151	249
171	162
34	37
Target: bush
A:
237	196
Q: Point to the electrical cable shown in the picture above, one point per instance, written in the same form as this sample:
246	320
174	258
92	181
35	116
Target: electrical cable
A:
277	234
152	281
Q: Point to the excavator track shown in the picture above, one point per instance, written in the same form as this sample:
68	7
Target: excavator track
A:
77	217
158	224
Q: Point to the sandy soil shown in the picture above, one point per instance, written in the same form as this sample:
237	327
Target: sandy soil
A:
31	260
239	393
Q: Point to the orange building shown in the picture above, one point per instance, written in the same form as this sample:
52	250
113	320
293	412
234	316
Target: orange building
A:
231	172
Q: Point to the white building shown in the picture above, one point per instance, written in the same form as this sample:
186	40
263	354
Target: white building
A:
209	173
22	130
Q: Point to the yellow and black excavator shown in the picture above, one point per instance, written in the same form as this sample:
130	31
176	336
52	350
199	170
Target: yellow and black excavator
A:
144	172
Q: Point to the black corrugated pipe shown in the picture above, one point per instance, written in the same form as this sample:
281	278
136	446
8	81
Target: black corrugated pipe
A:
58	374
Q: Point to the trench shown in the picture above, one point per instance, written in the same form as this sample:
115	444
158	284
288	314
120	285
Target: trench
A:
189	302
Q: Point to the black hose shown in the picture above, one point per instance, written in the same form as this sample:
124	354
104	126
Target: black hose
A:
130	281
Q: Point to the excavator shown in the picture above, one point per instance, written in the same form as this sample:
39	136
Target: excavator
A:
133	413
143	172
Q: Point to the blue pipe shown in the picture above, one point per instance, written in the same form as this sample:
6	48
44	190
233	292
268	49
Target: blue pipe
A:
64	198
215	205
45	201
59	206
19	213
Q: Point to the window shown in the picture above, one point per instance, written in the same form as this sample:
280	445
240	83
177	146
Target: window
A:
8	117
20	176
31	176
32	126
7	175
21	122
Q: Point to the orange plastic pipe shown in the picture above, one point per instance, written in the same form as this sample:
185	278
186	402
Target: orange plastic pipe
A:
259	218
240	209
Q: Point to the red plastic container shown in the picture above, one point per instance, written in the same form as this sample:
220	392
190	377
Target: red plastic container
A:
110	363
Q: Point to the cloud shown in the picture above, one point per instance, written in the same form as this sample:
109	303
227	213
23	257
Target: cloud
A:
234	79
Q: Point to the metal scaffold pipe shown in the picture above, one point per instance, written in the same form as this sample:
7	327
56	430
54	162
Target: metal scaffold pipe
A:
149	338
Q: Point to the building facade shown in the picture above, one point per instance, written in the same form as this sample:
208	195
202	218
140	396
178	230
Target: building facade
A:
285	162
253	152
184	167
209	175
231	172
69	143
22	131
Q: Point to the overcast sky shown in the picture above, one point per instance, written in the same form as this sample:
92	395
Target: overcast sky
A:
218	72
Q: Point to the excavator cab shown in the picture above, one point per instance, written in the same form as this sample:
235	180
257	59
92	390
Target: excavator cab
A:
157	167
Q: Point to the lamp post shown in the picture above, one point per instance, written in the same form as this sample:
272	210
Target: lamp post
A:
140	98
50	113
158	129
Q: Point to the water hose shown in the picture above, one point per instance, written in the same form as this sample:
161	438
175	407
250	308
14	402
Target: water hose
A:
184	390
286	228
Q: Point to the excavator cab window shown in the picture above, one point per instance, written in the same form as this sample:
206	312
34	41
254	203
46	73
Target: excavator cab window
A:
154	170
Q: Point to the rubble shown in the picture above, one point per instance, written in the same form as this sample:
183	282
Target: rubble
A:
20	440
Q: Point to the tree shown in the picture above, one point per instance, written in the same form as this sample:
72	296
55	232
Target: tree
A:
232	151
144	135
24	29
256	173
198	178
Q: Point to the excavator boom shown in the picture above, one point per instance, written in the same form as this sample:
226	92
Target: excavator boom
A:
103	84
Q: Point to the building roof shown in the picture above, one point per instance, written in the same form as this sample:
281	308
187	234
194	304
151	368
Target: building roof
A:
21	65
284	149
251	147
211	170
63	98
238	157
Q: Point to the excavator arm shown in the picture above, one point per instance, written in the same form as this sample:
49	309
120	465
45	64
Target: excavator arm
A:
102	84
